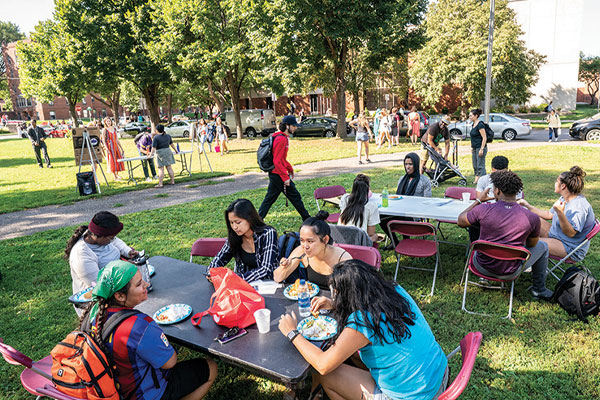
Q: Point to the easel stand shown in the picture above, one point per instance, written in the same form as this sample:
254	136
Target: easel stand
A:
199	148
93	160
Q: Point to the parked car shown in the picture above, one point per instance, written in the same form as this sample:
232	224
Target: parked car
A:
504	126
586	129
133	129
179	129
317	126
254	121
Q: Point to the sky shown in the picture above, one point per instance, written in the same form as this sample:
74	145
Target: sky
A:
26	13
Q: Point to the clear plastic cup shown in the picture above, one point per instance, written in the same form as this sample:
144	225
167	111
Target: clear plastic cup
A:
466	196
263	320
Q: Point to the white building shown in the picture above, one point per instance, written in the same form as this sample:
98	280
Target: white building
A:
560	30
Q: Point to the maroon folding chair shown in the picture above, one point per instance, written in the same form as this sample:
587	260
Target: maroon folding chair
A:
368	254
329	192
419	248
501	252
36	375
455	192
207	247
557	261
469	346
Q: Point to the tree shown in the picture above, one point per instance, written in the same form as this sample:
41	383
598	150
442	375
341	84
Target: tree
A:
589	73
50	66
316	37
456	50
213	44
10	32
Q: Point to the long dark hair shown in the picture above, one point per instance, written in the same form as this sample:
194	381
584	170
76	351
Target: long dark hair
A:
357	286
573	179
102	315
319	225
244	209
355	208
104	219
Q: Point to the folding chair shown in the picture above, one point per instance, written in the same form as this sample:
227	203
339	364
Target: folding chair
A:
455	192
419	248
557	261
368	254
207	247
36	375
327	192
501	252
469	346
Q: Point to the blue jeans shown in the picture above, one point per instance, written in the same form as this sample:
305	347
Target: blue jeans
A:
552	130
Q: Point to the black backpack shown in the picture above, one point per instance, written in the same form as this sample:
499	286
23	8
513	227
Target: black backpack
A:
264	154
489	133
578	292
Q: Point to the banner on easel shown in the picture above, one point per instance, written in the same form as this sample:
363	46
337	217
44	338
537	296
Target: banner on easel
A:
78	143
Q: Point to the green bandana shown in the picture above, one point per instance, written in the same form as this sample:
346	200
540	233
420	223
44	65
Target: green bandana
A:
111	279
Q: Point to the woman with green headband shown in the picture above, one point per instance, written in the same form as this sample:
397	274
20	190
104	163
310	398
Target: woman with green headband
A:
146	362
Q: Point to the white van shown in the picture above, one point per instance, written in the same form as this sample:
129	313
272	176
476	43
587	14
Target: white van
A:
254	121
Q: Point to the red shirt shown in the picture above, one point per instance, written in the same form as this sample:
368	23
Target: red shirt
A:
281	143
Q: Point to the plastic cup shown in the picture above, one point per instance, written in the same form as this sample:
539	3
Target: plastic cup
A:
263	320
466	196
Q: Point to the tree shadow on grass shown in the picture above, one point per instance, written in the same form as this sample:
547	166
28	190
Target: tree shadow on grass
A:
15	162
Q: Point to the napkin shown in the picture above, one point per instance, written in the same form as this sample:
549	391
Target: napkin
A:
265	286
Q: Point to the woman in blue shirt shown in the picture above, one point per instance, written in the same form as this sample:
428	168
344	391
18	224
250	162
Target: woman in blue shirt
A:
572	216
381	322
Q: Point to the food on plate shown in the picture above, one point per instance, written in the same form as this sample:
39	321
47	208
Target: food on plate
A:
164	317
315	328
87	295
315	314
294	289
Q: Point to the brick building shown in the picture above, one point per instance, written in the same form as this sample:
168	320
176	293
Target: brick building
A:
27	108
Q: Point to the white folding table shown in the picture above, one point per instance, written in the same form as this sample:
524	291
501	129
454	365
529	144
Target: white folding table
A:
423	207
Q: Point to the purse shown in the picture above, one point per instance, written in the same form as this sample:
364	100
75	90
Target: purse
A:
234	300
217	149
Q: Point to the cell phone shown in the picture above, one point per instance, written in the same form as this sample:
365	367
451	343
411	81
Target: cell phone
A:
231	334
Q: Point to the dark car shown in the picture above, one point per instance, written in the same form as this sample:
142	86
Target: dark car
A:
133	128
317	126
586	129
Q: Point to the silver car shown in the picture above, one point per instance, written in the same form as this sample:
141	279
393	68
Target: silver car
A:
504	126
179	129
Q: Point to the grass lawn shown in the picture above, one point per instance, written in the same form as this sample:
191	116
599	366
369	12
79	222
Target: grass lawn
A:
24	185
581	111
541	354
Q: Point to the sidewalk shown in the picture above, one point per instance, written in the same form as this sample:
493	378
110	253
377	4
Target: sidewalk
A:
27	222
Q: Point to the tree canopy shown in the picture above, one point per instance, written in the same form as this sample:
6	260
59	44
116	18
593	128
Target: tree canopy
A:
10	32
456	54
589	73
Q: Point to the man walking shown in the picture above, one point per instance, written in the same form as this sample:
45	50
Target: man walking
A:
280	178
37	137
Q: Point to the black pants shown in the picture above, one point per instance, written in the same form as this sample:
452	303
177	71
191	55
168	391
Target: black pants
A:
145	164
37	149
276	187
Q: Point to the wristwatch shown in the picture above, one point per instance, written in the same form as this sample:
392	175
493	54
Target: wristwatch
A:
292	335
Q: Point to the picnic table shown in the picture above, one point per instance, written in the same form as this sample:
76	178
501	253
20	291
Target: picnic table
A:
269	354
423	207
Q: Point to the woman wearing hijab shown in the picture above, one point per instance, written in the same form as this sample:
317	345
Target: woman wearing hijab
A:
413	183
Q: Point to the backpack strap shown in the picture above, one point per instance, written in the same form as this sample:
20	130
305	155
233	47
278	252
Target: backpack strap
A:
114	320
579	299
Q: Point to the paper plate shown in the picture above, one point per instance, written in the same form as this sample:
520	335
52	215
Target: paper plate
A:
394	197
172	314
151	270
79	297
319	328
314	290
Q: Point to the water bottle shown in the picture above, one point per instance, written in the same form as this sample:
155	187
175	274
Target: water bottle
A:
303	299
178	147
143	268
384	197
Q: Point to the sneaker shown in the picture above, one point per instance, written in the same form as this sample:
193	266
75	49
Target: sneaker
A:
556	139
49	165
549	140
546	295
148	179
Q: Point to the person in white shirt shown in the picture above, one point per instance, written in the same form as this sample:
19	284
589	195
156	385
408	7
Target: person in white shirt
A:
553	125
357	210
93	246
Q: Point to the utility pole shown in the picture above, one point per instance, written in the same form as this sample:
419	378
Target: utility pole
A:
488	73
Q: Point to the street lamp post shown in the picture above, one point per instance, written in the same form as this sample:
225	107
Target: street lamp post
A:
488	73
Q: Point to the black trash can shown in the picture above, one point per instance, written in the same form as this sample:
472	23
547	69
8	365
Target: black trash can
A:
85	183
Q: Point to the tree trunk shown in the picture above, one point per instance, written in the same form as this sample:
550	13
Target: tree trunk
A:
116	105
235	103
340	91
215	96
170	108
72	101
151	96
356	98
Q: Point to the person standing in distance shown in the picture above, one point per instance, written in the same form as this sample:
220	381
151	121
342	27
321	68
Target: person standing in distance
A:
38	137
280	178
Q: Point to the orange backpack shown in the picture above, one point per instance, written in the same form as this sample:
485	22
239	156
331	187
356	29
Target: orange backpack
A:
81	369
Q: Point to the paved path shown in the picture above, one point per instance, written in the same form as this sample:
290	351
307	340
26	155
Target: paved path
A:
27	222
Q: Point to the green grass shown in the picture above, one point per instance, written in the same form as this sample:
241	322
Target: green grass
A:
581	111
24	185
542	354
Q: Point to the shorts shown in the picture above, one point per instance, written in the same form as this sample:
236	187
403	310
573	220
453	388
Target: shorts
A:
164	157
362	137
424	154
185	377
378	395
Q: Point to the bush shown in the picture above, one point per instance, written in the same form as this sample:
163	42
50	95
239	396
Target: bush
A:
523	109
508	109
539	108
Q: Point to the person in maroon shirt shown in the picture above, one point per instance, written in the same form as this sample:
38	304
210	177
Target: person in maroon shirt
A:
280	178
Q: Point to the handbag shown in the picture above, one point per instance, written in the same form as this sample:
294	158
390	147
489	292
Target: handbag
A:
558	132
217	149
234	301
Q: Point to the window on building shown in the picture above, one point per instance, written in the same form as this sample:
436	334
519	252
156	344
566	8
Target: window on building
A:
269	102
67	101
52	115
314	104
51	103
23	102
83	101
92	99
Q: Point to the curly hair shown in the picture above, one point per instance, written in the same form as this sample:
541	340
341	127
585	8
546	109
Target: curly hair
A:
573	179
507	182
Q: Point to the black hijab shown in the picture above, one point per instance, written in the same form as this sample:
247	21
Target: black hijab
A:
407	186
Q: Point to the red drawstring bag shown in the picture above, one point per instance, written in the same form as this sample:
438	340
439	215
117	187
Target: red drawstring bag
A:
234	300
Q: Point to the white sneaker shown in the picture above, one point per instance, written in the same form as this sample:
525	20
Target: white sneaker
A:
556	139
549	140
148	179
